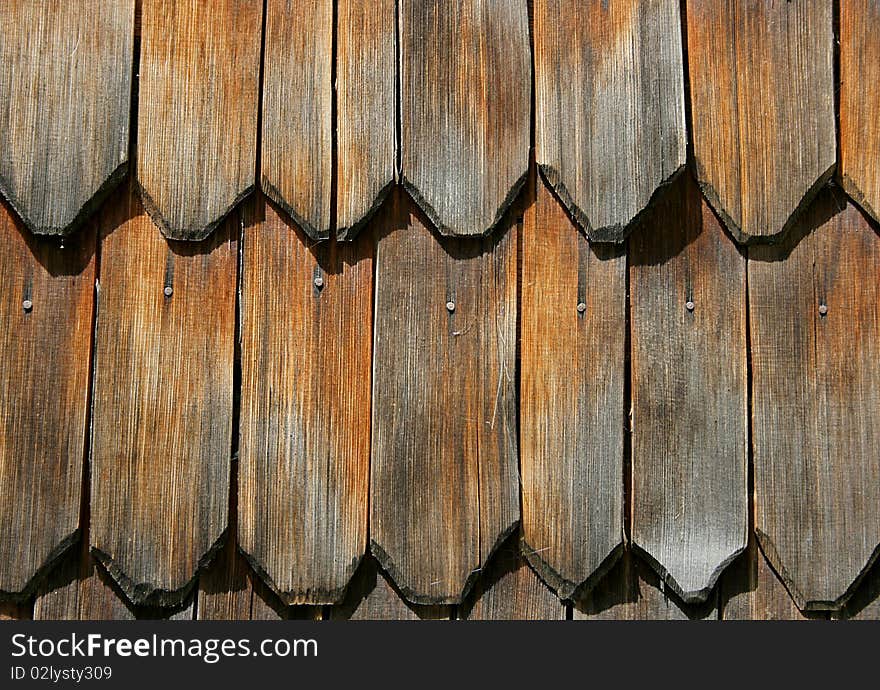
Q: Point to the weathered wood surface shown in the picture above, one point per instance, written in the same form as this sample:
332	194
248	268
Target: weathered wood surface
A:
508	589
443	485
750	590
815	324
633	591
571	398
864	604
372	597
82	590
860	102
306	314
297	141
162	402
45	345
689	393
465	109
197	111
610	115
366	69
65	91
762	92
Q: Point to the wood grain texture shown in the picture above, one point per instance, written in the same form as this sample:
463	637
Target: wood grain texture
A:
864	604
366	69
508	589
82	590
610	115
633	591
305	424
689	393
65	91
372	596
571	398
443	484
465	109
197	111
860	103
297	141
230	590
45	351
750	590
762	91
162	403
816	391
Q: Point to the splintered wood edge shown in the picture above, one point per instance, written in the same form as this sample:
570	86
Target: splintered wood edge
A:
413	597
567	590
349	233
609	234
35	581
446	231
146	594
736	232
187	234
805	604
309	597
275	196
699	596
855	193
92	204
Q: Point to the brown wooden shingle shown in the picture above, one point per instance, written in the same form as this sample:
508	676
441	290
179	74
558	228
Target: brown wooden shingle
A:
609	106
162	402
815	321
45	346
689	396
571	398
297	153
860	103
366	70
304	452
65	92
197	111
443	484
465	105
762	91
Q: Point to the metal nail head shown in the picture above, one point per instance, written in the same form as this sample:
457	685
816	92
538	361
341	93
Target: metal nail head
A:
168	291
581	307
27	305
319	282
823	309
450	306
689	305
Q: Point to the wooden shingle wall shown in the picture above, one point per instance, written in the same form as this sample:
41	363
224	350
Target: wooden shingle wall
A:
461	310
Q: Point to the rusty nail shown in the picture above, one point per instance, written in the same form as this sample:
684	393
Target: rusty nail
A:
450	306
581	307
823	309
319	282
27	305
168	291
689	305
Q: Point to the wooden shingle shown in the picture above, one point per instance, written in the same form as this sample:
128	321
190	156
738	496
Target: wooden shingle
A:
762	92
443	483
610	115
689	394
65	92
304	451
815	323
197	111
573	331
464	107
162	402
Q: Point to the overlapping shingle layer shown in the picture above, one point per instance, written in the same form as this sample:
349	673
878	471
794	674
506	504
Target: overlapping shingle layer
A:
409	309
